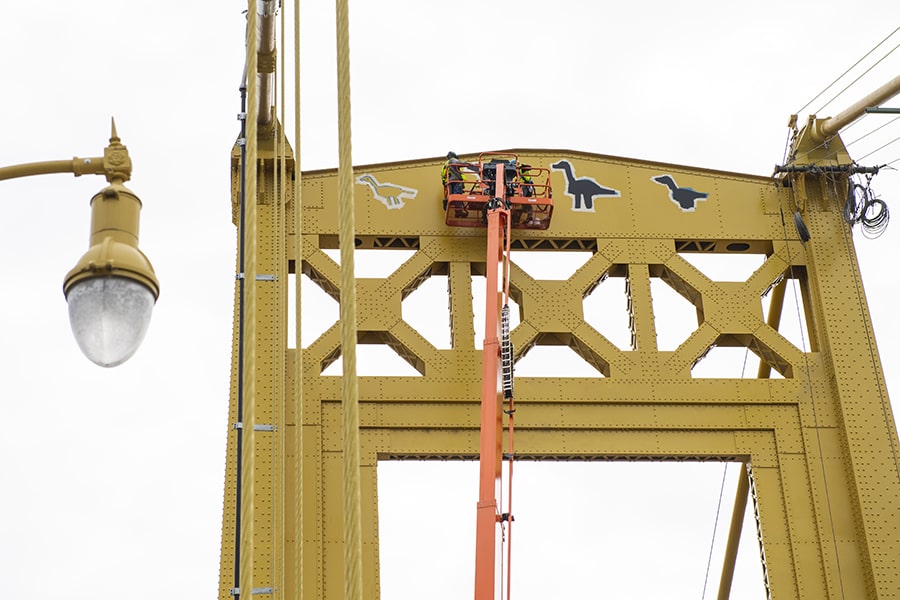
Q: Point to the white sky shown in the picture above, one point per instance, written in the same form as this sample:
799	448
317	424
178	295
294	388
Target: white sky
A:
112	479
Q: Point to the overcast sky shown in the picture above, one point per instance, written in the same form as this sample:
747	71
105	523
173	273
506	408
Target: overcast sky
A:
112	479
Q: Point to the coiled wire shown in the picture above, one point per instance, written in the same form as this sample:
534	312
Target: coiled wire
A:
864	208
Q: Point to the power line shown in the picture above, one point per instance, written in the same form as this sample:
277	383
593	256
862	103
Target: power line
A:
882	126
880	148
847	71
863	74
712	543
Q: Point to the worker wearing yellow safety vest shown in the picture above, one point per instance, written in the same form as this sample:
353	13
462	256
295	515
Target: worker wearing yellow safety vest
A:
526	180
451	176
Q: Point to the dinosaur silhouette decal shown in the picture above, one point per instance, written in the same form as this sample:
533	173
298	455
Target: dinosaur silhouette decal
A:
582	189
686	198
389	194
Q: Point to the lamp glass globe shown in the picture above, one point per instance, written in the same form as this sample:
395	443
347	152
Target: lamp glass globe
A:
109	317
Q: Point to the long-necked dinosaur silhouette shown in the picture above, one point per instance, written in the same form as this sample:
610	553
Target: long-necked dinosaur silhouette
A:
684	197
582	189
389	194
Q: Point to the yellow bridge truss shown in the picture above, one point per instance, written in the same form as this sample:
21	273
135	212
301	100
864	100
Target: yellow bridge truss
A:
819	443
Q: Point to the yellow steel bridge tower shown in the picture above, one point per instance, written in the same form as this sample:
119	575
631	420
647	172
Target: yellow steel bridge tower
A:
817	441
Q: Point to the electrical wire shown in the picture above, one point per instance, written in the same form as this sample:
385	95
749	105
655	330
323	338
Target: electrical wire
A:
880	127
863	74
838	94
792	134
825	142
804	107
712	542
833	154
239	395
879	148
864	208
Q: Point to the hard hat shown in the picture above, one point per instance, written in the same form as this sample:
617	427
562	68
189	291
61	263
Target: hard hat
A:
451	154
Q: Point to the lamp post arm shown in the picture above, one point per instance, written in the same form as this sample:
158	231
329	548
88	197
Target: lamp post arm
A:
77	166
115	164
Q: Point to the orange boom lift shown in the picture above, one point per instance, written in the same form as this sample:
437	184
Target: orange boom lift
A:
506	195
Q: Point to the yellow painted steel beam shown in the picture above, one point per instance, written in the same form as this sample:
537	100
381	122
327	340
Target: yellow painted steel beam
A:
734	534
832	125
820	441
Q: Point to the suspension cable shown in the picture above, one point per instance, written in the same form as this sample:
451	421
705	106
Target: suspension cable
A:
279	449
249	325
352	503
298	345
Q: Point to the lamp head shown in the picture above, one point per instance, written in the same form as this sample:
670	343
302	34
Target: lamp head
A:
112	289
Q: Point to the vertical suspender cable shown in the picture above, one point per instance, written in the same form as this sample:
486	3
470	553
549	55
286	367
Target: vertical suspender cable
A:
298	345
349	386
279	342
249	323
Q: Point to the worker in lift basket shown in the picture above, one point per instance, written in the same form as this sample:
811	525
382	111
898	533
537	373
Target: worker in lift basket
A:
527	180
451	173
527	183
452	179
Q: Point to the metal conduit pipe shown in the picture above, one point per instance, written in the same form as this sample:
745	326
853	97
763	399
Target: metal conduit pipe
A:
240	345
266	10
830	126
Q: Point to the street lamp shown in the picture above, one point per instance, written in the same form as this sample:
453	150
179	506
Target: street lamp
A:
112	289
